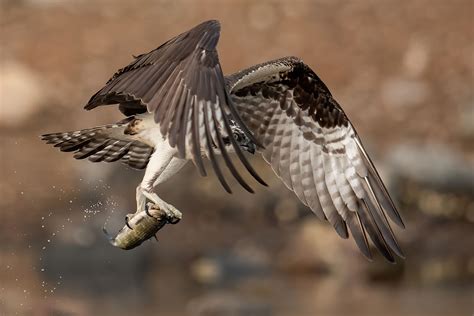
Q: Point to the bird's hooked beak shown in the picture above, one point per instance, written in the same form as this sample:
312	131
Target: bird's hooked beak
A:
243	141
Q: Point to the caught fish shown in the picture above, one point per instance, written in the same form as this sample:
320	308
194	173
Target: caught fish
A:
141	226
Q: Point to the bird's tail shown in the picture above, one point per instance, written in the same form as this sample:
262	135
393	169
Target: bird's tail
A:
103	143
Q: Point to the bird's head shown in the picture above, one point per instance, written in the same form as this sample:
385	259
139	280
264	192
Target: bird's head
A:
244	142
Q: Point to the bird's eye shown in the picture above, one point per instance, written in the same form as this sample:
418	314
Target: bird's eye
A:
237	137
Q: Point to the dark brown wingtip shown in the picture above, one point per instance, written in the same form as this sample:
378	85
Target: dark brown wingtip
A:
214	163
341	229
395	216
366	254
388	256
401	255
373	231
377	214
400	224
382	195
93	102
358	234
225	155
380	191
211	23
196	144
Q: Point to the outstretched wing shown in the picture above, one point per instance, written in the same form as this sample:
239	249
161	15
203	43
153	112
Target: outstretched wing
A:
314	149
181	82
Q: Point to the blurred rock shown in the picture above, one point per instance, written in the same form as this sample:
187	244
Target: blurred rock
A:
316	248
434	180
436	166
286	210
416	58
399	92
223	267
466	120
434	188
449	269
206	270
21	93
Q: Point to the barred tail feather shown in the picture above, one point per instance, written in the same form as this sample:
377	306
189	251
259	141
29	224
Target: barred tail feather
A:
102	144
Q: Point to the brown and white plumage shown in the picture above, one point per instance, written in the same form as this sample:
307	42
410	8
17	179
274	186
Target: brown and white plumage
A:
107	143
191	110
182	84
314	149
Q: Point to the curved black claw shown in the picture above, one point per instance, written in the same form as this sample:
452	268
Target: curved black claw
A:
156	238
147	211
126	223
173	220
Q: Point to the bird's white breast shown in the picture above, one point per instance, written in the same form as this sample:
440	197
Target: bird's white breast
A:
149	130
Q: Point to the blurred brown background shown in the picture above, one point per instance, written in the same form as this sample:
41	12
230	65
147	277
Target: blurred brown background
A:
402	70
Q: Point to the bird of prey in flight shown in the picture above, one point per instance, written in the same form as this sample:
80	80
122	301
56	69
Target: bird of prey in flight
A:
179	107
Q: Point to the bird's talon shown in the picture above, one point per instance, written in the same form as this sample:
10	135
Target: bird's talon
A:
173	220
126	222
148	212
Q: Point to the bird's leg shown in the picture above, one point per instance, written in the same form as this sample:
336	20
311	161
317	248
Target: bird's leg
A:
160	168
141	200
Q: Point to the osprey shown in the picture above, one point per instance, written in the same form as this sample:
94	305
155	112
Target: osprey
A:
180	107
